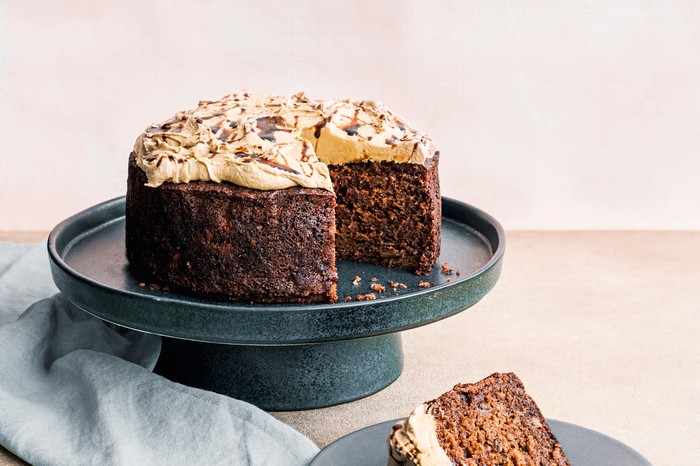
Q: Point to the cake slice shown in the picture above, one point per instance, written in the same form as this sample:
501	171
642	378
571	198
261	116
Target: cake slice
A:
487	423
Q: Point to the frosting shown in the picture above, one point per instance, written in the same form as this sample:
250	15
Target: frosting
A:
366	130
413	442
274	142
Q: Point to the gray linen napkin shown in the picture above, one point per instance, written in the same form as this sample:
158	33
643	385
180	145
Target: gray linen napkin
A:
74	390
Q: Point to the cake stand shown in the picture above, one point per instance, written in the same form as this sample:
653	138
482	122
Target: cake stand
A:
278	357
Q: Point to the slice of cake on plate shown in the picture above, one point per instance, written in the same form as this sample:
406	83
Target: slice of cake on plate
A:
488	423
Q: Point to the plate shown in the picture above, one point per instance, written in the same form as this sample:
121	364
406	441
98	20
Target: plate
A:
89	266
583	447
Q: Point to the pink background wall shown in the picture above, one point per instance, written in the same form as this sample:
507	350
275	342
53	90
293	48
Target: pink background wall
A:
564	115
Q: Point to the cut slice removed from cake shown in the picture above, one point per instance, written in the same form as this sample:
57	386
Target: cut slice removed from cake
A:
487	423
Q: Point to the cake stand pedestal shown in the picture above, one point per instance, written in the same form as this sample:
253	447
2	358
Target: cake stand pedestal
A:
283	378
278	357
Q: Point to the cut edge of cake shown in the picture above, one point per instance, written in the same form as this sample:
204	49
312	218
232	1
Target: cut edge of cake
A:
389	214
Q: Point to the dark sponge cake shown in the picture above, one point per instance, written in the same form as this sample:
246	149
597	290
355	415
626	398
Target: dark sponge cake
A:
488	423
388	213
226	241
236	199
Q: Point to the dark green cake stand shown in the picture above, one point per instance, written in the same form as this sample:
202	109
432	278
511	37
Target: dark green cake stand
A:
278	357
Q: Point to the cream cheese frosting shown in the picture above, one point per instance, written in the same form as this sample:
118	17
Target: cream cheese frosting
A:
413	442
274	142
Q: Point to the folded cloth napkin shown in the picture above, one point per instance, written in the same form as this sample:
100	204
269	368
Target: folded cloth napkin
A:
74	390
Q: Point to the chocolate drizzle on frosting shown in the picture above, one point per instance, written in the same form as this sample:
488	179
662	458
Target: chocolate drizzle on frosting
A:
267	126
274	142
352	127
317	128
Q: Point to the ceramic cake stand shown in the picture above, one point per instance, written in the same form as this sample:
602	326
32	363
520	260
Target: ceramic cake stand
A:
278	357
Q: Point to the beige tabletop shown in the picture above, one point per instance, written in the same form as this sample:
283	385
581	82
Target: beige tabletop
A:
603	328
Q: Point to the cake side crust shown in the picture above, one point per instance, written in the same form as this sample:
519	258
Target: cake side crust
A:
228	242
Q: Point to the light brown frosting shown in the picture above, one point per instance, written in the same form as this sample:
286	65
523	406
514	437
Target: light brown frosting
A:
274	142
413	442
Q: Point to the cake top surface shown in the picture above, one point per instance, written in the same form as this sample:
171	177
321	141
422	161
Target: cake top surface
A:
490	422
274	142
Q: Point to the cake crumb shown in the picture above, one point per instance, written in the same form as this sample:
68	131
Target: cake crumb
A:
393	284
356	281
396	285
448	280
153	287
445	269
366	297
424	284
378	288
142	285
374	279
348	299
166	289
458	273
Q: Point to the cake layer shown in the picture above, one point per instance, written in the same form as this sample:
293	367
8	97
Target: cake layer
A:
388	213
231	242
493	422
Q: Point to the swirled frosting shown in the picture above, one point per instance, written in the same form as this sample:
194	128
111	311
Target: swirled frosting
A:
413	442
274	142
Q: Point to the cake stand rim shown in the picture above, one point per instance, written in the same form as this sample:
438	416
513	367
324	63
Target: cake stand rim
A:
61	272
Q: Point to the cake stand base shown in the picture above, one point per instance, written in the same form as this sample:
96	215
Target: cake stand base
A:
286	377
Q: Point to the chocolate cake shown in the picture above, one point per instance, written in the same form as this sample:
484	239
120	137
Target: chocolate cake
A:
488	423
250	198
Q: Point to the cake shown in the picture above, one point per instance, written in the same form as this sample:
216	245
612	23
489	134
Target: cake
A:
253	198
487	423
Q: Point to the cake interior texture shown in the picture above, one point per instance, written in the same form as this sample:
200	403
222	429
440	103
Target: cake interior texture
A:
494	422
388	213
230	242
